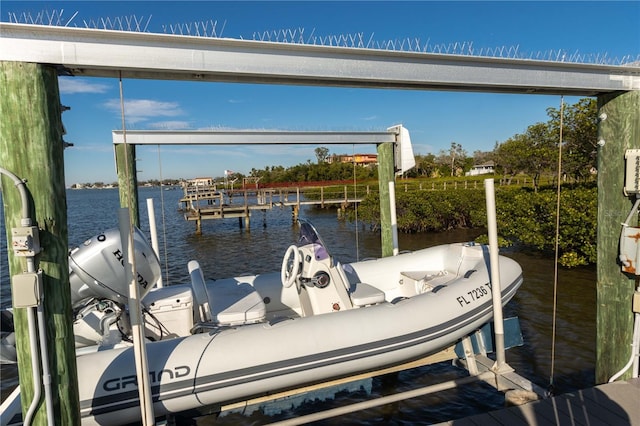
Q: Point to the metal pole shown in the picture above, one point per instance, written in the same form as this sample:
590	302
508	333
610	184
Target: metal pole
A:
394	218
496	289
154	234
389	399
137	326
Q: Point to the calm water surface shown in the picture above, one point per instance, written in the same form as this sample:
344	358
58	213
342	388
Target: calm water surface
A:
225	250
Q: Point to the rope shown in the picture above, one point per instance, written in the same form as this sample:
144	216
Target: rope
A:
355	203
557	244
164	224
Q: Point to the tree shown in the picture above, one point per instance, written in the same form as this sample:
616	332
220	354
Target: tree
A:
532	152
542	152
458	156
510	156
322	153
579	136
426	166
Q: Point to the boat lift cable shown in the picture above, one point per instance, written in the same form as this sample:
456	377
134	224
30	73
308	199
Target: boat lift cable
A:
355	204
164	222
557	244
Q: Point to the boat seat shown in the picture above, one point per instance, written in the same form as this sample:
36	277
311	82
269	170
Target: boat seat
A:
366	294
236	303
201	296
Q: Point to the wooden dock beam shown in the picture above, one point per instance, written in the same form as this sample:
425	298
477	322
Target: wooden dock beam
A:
385	175
618	130
128	180
31	147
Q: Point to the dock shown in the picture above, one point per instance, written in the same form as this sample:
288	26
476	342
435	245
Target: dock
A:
202	202
526	404
616	403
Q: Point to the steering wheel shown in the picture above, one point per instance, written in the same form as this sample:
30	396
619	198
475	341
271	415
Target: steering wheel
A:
290	266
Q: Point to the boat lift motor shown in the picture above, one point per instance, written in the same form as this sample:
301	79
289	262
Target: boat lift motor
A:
96	269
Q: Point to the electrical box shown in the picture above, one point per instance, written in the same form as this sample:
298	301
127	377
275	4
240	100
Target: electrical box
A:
629	249
25	240
632	177
26	289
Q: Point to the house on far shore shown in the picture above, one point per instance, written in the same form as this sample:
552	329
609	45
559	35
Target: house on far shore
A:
482	169
201	181
358	159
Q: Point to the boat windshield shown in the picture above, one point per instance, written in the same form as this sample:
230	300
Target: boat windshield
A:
309	235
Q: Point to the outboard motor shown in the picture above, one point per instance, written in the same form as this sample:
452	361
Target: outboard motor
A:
96	269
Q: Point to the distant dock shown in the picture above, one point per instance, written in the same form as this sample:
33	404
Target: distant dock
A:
204	202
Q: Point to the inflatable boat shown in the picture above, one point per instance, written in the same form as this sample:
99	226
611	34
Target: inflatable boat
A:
220	341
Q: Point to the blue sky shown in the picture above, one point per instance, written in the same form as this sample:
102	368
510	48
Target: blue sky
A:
435	119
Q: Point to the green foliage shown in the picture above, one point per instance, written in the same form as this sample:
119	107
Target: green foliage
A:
309	172
530	218
535	152
428	211
525	217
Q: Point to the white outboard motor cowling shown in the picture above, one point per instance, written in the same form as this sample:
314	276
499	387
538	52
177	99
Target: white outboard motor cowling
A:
96	269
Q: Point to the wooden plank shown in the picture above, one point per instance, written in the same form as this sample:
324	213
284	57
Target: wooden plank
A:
617	402
610	404
546	411
574	409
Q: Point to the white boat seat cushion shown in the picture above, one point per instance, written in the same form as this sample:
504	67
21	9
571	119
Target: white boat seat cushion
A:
235	303
202	308
366	294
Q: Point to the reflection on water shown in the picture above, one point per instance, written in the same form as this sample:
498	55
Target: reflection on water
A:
224	249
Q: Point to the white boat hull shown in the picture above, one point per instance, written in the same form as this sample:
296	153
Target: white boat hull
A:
417	318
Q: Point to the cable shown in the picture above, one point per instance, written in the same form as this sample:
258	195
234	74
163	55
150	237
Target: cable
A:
557	245
355	202
164	223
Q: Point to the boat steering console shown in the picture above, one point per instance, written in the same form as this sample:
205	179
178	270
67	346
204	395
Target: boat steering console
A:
300	262
319	283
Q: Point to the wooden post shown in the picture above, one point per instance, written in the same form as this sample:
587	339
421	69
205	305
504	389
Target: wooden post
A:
385	175
128	180
31	147
618	130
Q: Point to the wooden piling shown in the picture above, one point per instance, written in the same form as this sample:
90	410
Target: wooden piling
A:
618	130
31	147
128	180
385	175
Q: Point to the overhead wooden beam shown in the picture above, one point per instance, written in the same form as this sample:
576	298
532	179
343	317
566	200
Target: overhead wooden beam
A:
103	53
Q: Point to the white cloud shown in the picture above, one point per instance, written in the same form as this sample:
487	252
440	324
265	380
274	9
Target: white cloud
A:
137	110
71	85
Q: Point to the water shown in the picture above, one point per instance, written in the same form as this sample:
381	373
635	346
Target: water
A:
225	250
